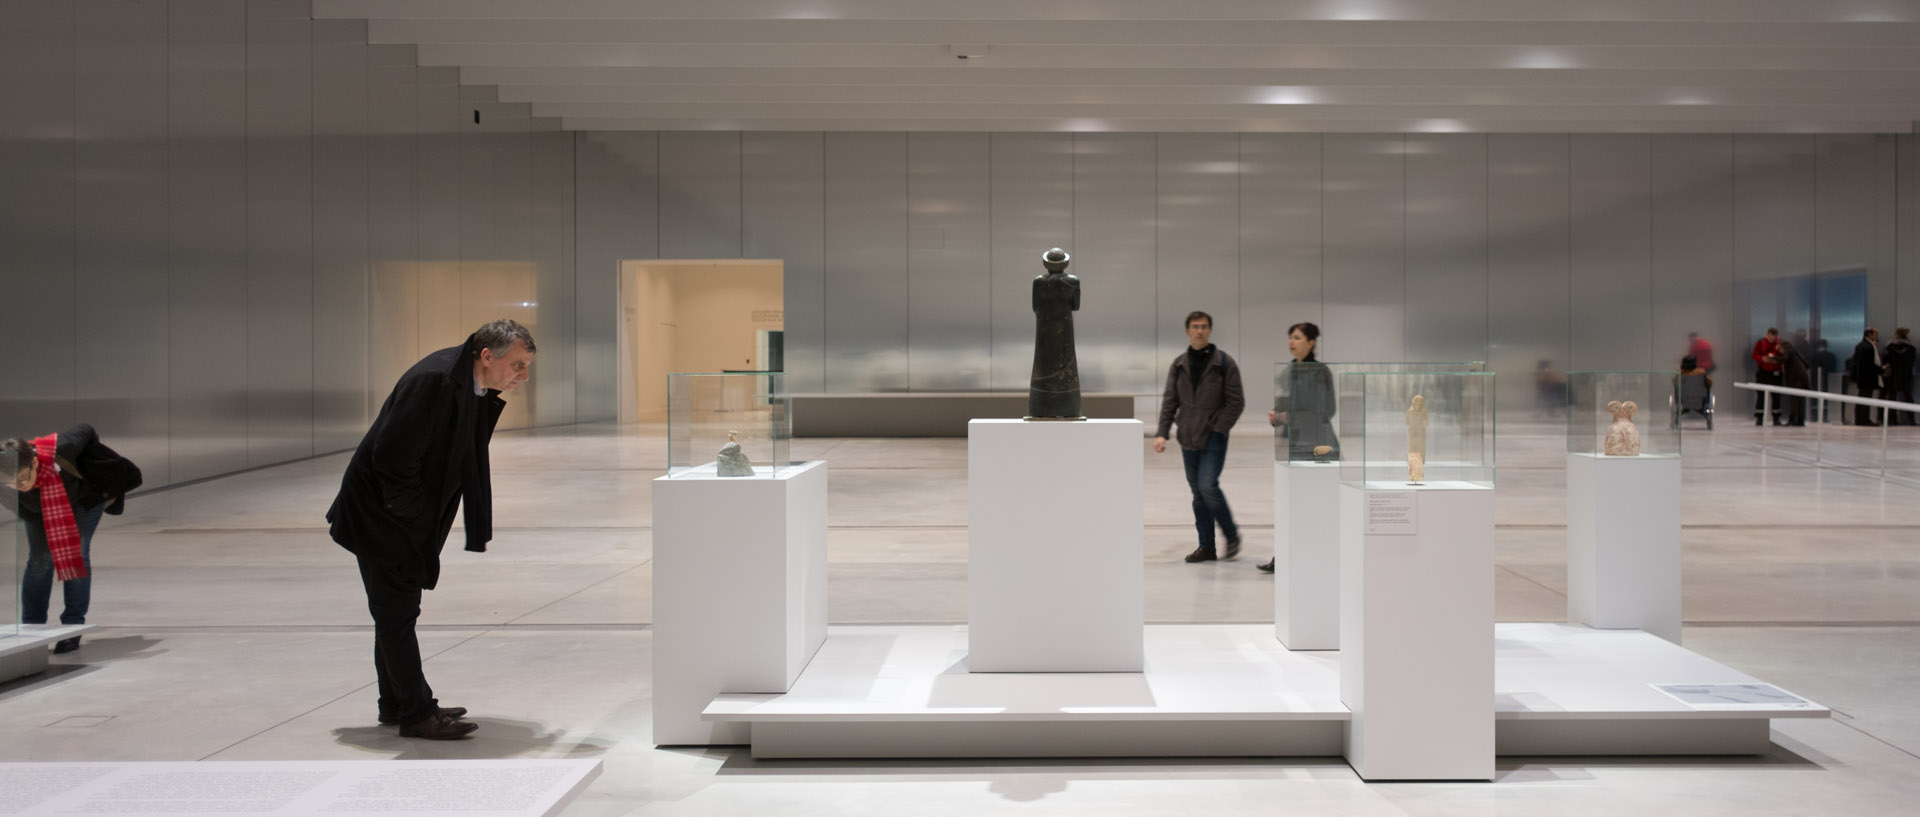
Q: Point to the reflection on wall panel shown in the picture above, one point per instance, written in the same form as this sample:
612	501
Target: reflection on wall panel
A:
341	181
1197	251
1031	211
394	219
279	232
552	224
1279	235
1846	228
1907	229
1446	318
1692	224
438	150
120	222
1113	255
1775	188
1884	273
866	262
1527	286
699	195
949	347
207	211
36	213
1611	255
783	182
1365	245
616	187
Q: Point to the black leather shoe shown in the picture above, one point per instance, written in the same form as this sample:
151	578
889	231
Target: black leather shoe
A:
66	645
438	727
1201	555
1265	567
454	712
1233	549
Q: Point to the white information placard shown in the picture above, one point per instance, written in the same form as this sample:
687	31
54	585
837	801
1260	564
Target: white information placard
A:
1735	696
1390	513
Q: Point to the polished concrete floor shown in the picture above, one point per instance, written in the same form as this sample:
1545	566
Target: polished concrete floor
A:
233	629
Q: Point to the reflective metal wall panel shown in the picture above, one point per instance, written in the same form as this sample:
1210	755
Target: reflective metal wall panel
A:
279	231
1364	240
866	252
1114	255
1611	256
1031	211
1527	273
1279	235
1847	226
120	227
394	176
783	178
1907	230
207	206
441	148
949	324
551	152
341	180
1692	250
1774	212
1446	211
1883	303
616	190
37	213
498	278
1197	246
699	195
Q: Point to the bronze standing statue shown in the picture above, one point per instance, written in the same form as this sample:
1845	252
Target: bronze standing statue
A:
1055	391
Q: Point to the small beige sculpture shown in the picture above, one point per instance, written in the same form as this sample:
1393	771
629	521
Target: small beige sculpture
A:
1417	440
730	461
1623	438
1321	451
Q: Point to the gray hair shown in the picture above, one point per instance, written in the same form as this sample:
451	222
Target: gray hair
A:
499	336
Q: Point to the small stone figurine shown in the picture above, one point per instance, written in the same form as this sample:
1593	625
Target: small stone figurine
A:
1417	440
1623	438
731	461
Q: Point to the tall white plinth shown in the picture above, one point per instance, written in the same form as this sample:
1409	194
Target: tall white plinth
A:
1055	546
1416	631
1623	543
739	592
1306	555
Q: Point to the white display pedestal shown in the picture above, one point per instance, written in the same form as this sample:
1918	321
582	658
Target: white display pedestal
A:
25	653
1306	555
739	592
1055	546
1416	631
1623	543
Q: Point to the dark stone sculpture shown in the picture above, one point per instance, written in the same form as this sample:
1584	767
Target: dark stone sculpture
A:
1055	391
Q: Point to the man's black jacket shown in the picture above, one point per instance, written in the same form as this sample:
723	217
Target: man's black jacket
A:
427	448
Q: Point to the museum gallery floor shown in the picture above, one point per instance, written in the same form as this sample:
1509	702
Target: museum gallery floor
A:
228	591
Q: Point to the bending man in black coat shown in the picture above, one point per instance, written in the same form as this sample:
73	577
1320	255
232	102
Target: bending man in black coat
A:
424	455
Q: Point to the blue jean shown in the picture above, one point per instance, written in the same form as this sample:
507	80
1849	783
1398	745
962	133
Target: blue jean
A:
36	587
1209	504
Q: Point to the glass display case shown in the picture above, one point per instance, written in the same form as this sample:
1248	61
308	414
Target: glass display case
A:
1412	430
1306	399
13	545
1623	414
727	424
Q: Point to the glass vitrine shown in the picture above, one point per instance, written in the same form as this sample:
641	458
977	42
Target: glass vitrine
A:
1306	404
727	424
1623	413
1417	430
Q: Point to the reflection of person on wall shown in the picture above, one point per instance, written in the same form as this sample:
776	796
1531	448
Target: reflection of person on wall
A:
1304	417
1204	397
1865	369
1766	356
1900	359
1700	350
1550	389
1794	370
1824	366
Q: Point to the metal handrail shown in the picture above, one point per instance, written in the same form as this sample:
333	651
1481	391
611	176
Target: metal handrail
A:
1766	410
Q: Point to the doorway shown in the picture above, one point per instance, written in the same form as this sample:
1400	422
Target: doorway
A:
695	316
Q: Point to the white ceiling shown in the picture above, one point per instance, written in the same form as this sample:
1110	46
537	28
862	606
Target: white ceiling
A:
1827	66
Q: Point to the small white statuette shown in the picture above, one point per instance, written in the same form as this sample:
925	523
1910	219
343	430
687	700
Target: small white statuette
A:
1623	438
1417	440
731	461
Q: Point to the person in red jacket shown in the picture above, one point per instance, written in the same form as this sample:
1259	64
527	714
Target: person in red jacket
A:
1768	358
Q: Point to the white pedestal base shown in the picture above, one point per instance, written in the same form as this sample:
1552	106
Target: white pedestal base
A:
1416	659
1055	546
1306	555
1623	543
25	653
739	592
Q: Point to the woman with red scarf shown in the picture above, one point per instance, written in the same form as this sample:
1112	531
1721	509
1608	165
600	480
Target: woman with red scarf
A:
61	508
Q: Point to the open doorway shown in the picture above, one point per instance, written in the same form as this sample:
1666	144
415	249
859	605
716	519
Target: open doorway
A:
695	316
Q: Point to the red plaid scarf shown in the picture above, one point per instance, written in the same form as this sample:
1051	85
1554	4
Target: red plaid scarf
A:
56	515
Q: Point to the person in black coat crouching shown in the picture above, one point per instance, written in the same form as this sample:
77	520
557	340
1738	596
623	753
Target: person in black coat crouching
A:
424	455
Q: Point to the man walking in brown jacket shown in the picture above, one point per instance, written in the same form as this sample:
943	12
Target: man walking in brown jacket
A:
1204	399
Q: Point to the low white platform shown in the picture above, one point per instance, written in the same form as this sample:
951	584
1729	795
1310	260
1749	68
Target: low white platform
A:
1226	690
25	653
414	788
1623	543
1056	575
1306	555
